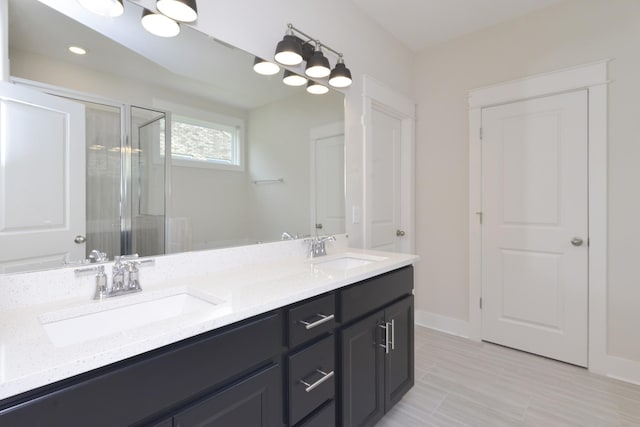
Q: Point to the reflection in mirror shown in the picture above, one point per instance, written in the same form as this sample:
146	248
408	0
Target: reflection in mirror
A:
197	153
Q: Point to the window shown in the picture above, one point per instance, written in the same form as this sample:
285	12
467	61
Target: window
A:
197	143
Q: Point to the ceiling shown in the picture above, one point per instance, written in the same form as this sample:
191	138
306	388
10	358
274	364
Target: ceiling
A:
420	24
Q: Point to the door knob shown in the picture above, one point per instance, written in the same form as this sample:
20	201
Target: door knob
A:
80	239
399	233
576	241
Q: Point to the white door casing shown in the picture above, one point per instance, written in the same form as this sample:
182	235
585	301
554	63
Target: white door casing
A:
534	204
327	180
593	78
389	169
42	179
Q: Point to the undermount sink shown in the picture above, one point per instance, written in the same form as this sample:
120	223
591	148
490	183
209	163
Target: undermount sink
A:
347	261
82	324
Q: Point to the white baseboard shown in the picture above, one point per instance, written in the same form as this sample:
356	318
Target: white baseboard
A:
623	369
442	323
613	367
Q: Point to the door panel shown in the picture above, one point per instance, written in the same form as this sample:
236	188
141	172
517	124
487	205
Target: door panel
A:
42	180
399	363
329	185
534	197
385	189
362	372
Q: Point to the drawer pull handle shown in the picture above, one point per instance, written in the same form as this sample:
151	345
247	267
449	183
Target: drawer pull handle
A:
311	325
325	377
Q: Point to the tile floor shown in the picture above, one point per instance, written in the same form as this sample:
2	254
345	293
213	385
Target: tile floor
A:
464	383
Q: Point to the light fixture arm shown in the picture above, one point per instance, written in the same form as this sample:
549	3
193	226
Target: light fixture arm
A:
291	29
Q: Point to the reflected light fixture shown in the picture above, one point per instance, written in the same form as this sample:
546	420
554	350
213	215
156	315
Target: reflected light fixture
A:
316	88
292	79
264	67
179	10
340	75
108	8
159	24
318	65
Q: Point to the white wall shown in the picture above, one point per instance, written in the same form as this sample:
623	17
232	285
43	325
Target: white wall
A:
571	33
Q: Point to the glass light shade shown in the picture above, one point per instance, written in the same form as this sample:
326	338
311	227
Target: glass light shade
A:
109	8
266	68
292	79
316	88
289	51
317	66
340	76
179	10
159	25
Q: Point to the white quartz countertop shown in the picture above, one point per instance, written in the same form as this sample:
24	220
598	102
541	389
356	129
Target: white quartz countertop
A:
30	359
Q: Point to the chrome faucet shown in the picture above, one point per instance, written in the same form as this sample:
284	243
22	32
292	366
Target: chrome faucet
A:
125	278
317	245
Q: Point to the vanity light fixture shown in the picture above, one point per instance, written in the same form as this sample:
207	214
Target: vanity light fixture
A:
340	75
178	10
289	49
292	79
159	24
292	50
264	67
318	65
108	8
316	88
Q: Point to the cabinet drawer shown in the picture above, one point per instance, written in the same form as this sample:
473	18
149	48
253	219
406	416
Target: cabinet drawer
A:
372	294
311	319
325	417
311	378
255	401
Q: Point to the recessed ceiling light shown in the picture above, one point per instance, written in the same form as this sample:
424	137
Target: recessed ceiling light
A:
77	50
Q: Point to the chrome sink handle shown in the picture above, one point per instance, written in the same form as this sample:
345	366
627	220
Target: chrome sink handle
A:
317	245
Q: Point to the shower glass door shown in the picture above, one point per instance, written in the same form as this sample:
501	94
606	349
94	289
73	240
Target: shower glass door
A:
146	182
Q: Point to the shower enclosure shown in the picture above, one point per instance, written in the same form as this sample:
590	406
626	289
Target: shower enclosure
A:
127	178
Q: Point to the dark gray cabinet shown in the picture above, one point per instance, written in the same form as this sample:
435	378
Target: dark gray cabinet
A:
254	402
377	363
321	362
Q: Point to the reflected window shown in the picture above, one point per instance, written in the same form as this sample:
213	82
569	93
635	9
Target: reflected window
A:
198	143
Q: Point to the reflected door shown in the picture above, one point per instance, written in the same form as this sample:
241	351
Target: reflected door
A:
534	231
328	187
147	155
42	180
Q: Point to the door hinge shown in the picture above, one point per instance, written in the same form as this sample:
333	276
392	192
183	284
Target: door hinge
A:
480	303
480	131
479	213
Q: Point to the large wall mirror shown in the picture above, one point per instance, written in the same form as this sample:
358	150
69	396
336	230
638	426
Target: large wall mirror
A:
182	145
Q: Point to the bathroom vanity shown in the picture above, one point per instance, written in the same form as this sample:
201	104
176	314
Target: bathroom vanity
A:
342	355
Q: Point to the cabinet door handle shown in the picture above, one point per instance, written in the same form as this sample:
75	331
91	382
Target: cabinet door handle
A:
325	377
387	327
311	325
393	334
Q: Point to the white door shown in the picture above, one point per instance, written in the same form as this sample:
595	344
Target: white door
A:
328	188
42	180
385	180
534	231
389	178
